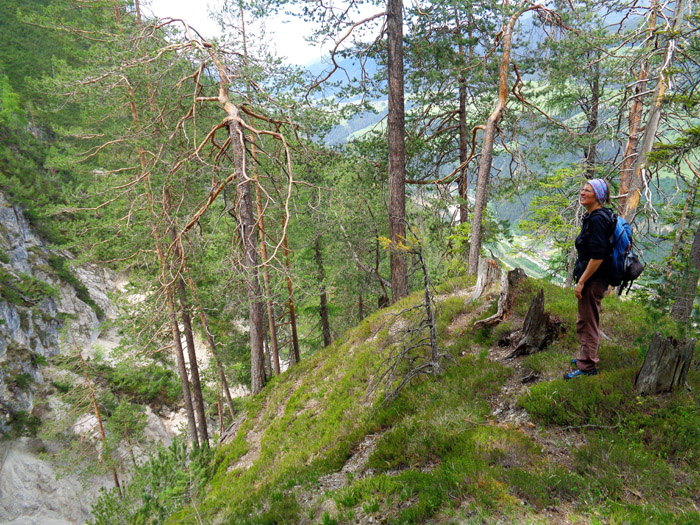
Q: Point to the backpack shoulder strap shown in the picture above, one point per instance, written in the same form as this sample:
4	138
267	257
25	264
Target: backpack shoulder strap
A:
612	221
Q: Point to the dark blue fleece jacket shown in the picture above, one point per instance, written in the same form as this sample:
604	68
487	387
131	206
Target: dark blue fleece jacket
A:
594	243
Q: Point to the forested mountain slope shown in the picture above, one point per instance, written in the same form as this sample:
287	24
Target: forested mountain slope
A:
258	213
489	439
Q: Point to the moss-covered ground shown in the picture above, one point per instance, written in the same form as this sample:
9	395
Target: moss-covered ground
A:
583	451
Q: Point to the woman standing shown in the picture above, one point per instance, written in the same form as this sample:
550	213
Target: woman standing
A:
591	271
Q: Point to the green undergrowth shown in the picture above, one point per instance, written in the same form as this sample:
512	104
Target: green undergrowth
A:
151	383
24	289
60	266
308	421
640	459
596	453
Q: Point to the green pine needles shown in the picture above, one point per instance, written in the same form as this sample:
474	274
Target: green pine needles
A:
172	478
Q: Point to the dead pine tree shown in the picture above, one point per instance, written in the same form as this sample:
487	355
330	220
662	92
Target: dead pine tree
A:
233	153
416	353
491	126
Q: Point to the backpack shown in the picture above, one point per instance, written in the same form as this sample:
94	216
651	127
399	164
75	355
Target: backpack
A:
625	266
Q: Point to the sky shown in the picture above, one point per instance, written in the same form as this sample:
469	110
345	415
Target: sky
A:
287	35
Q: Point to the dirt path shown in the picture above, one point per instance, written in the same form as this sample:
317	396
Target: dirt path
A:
554	444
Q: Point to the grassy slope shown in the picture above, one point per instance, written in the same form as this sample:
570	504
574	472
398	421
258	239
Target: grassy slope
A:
591	452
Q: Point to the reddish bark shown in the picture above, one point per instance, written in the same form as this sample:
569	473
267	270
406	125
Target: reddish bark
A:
396	128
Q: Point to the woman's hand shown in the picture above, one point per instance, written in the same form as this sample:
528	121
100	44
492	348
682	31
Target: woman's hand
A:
591	268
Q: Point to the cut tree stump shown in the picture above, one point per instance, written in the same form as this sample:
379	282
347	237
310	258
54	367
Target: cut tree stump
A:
488	271
665	366
506	301
539	328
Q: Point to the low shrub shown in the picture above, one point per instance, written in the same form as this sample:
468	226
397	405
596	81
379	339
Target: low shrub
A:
24	290
169	480
152	383
23	424
60	266
23	381
596	400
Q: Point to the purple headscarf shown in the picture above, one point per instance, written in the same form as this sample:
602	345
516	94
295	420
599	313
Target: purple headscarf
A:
601	189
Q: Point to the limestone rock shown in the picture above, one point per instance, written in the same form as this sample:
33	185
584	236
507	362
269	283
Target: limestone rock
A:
31	494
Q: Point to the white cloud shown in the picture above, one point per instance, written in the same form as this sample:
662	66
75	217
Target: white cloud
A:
287	34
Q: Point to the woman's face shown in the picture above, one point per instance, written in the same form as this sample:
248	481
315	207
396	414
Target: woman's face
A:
587	196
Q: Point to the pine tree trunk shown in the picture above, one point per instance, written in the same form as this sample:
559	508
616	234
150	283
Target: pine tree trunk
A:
98	416
634	126
268	359
683	306
220	412
486	160
635	117
294	356
200	412
182	368
212	345
360	304
397	150
640	175
323	311
462	182
271	325
592	115
250	253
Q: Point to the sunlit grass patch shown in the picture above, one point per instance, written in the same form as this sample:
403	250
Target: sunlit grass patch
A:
616	469
439	453
546	486
412	496
631	324
554	358
438	437
602	399
462	282
446	311
308	421
651	512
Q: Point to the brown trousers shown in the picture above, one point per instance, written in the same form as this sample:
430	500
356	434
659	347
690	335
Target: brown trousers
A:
588	323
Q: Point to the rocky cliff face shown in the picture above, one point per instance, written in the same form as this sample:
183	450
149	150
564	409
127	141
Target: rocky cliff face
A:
39	313
40	317
30	494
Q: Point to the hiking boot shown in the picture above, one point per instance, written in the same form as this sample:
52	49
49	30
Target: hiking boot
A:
577	373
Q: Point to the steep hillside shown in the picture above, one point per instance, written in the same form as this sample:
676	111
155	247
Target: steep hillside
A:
491	440
50	309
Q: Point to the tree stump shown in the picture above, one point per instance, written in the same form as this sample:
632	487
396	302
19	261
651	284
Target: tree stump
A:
506	301
488	271
665	366
539	328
